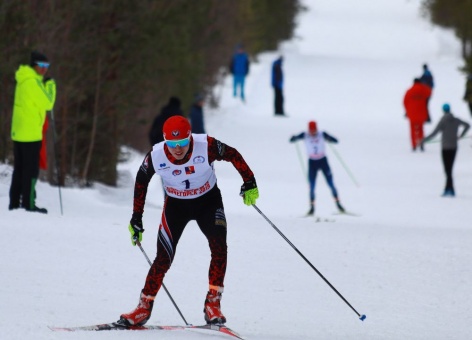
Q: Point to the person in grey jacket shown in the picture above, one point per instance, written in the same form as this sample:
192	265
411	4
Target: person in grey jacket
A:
449	127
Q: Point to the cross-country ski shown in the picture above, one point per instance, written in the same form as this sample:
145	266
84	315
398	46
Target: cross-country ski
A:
211	328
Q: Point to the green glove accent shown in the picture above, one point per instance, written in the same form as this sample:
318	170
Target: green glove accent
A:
250	196
249	192
136	231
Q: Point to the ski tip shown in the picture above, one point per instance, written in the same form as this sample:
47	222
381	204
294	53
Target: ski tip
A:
363	317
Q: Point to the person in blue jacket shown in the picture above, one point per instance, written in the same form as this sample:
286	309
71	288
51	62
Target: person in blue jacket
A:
427	79
278	85
315	148
239	68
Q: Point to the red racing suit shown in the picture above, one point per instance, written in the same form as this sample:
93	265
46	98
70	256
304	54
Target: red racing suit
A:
206	209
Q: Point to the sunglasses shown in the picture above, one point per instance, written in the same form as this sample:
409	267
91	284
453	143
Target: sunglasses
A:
179	142
42	64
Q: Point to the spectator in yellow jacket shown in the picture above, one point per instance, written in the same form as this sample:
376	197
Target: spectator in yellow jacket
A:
34	95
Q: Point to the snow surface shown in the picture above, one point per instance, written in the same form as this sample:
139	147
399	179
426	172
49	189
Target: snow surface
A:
405	261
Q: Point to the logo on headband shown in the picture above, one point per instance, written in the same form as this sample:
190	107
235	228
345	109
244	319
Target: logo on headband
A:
175	133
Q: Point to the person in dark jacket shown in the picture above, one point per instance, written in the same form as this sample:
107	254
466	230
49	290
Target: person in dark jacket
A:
196	115
449	127
427	79
468	92
171	109
278	85
239	68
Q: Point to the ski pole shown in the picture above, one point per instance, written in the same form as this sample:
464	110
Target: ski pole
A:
439	140
163	285
343	164
361	317
55	158
300	158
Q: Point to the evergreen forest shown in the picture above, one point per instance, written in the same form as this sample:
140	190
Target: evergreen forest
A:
116	63
455	15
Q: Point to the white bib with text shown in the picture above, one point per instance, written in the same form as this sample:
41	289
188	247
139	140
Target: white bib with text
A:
315	145
189	180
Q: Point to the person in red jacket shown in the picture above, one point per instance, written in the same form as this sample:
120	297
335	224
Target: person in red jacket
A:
43	154
416	108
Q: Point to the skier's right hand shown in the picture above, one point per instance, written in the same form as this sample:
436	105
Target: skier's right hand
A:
249	192
136	229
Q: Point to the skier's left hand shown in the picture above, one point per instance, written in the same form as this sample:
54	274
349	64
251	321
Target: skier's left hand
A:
249	192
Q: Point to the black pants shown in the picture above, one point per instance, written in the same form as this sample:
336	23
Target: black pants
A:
279	101
208	212
25	174
448	157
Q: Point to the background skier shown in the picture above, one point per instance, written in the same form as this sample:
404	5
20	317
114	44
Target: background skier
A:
317	160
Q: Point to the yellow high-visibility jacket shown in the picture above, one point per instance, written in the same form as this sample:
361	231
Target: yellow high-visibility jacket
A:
32	99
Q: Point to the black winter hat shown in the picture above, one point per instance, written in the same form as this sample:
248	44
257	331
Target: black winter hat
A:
37	56
174	101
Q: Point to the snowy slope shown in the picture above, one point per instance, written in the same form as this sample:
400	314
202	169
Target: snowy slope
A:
404	262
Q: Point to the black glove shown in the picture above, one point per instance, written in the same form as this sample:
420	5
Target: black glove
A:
248	185
136	229
293	139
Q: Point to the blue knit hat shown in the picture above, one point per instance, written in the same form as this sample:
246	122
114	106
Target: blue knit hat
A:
446	107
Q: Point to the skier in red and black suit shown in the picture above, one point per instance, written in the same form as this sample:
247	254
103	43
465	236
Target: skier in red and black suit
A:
185	163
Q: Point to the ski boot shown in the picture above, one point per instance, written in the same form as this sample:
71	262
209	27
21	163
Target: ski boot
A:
448	193
212	309
340	207
141	314
311	212
37	209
